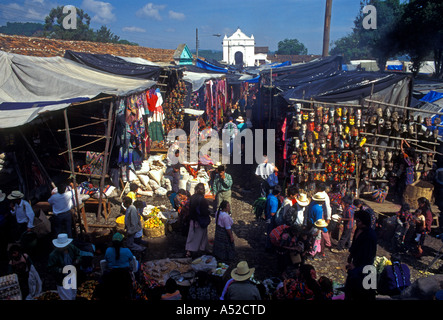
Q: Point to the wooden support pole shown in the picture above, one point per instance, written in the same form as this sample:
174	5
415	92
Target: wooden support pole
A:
105	158
71	165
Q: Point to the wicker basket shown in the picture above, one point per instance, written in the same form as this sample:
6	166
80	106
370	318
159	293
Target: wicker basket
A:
154	232
417	190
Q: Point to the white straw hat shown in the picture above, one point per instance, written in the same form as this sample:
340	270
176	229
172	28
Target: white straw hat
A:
61	241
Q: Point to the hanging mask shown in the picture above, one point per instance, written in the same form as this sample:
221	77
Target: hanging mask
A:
311	116
298	107
297	143
428	122
347	129
437	121
411	129
304	146
304	127
388	125
333	128
379	112
374	154
352	120
299	118
344	119
318	127
395	116
358	114
404	128
388	155
345	111
381	122
325	118
362	142
338	110
305	116
319	112
388	113
311	126
340	128
325	129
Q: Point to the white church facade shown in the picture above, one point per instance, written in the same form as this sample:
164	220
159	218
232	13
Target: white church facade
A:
239	49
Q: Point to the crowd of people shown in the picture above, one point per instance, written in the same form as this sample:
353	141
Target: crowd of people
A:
297	223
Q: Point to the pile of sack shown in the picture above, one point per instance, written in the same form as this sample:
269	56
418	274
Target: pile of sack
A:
156	177
151	177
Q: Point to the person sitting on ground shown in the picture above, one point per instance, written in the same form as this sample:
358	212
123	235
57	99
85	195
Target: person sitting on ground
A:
202	288
287	246
171	291
242	288
403	221
304	286
20	264
117	256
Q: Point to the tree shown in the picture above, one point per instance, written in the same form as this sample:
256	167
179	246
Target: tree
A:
291	47
419	33
372	43
54	26
105	35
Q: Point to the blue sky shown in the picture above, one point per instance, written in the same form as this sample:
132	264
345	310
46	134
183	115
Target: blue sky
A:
167	23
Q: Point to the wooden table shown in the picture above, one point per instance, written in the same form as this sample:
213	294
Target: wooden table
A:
105	203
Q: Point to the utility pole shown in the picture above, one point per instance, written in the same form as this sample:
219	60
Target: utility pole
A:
327	28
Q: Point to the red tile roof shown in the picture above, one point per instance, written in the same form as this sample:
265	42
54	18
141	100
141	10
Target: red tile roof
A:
43	47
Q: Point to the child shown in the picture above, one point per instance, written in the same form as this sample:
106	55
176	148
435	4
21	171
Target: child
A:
419	225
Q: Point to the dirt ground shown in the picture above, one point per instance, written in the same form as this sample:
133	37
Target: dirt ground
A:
249	234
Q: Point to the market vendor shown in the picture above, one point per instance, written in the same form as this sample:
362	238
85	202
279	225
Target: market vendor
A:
64	254
221	186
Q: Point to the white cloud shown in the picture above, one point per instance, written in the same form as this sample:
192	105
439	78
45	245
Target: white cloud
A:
176	15
133	29
28	11
102	10
151	10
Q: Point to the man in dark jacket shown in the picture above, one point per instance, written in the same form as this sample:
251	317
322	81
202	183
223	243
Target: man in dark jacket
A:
361	253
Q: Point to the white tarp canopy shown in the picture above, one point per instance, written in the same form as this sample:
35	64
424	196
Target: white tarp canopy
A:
198	79
30	86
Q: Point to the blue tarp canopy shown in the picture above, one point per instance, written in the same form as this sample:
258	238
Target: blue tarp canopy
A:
209	67
432	96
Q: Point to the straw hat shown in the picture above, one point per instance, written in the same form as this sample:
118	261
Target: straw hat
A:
319	196
320	223
15	195
61	241
217	164
302	199
242	272
2	196
240	119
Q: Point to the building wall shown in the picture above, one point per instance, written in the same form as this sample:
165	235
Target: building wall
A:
239	42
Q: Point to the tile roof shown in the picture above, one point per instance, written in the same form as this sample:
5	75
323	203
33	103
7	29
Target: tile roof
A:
43	47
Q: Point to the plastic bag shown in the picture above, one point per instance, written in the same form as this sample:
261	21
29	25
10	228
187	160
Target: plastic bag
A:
204	263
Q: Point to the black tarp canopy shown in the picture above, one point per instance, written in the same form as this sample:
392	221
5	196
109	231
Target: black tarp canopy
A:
287	76
114	65
348	86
